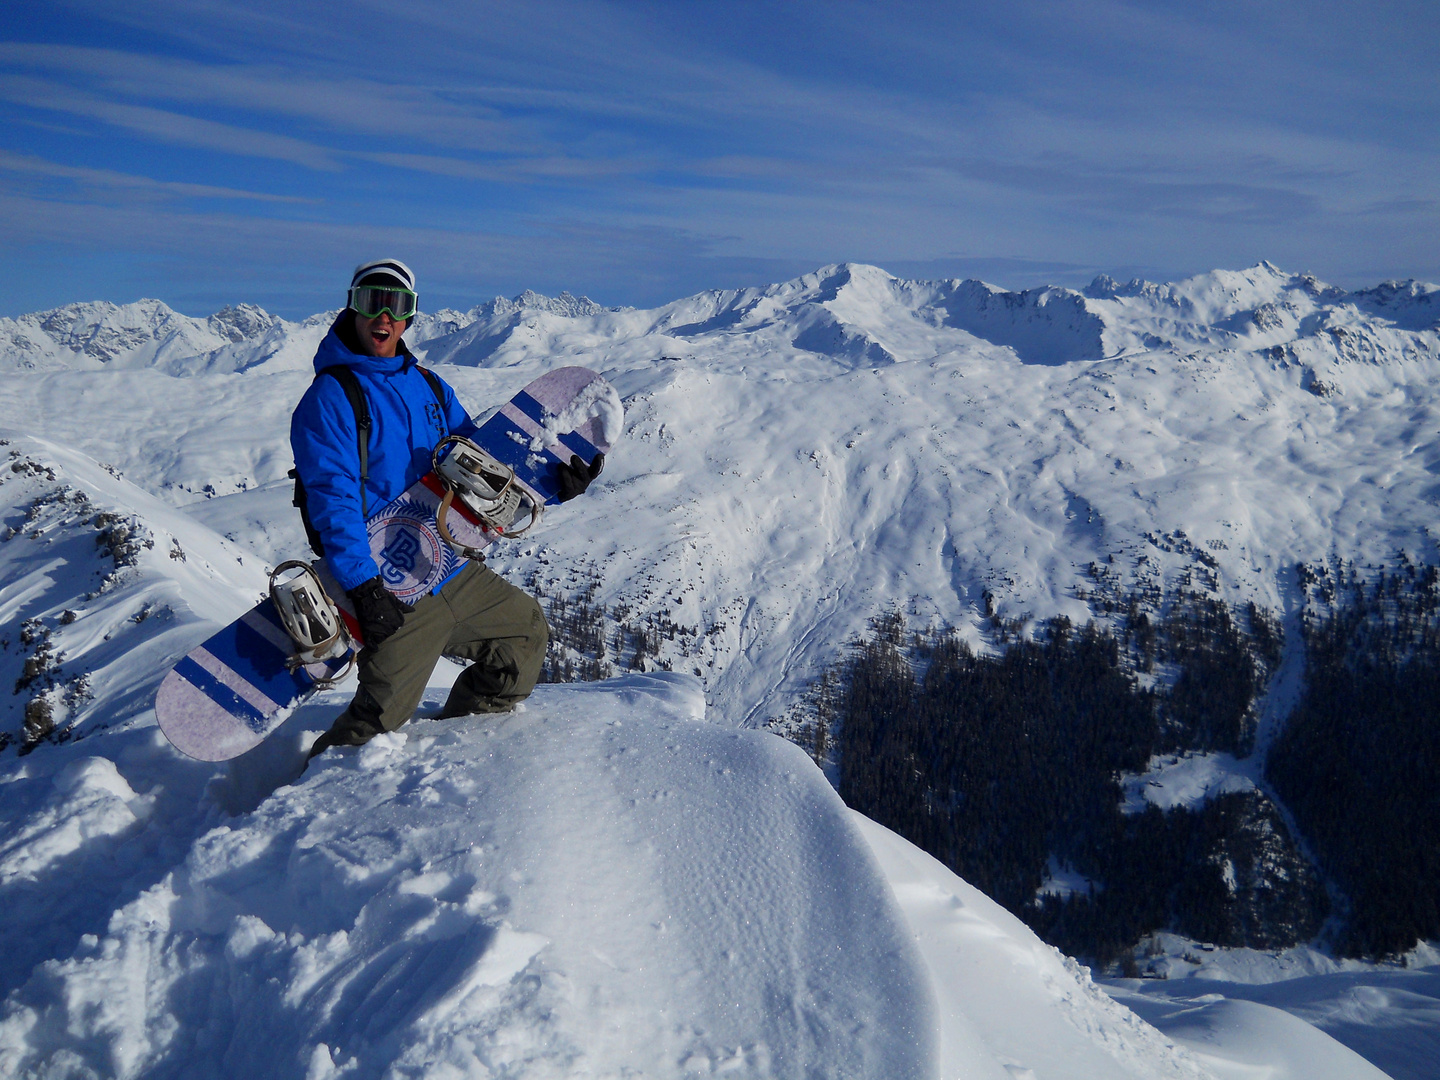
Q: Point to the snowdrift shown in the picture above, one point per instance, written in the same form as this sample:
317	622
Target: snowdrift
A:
600	885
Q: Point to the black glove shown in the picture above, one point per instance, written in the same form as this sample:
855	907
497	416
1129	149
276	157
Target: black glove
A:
356	726
354	734
379	612
576	477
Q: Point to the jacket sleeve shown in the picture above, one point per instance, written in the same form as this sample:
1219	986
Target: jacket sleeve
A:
322	437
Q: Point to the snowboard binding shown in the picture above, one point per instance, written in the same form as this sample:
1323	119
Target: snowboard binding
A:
310	618
486	486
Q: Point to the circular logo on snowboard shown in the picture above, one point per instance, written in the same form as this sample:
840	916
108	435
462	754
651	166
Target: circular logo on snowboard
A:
408	549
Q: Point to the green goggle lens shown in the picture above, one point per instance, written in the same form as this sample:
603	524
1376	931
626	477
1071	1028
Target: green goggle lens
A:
370	301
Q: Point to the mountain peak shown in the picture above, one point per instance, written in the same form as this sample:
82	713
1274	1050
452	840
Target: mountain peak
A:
856	270
566	304
242	322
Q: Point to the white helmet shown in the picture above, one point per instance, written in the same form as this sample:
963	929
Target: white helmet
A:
393	269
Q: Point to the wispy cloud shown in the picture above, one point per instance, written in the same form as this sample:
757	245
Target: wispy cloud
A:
1116	190
296	268
341	102
169	127
21	163
513	169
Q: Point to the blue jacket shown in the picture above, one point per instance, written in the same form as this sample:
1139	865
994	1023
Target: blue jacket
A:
406	423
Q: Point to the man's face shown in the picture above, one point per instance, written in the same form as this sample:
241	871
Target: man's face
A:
379	336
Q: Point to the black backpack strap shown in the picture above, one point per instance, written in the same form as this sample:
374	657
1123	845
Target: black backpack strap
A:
438	389
355	393
350	383
435	386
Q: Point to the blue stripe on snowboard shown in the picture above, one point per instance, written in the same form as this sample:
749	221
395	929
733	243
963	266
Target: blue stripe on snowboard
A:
572	441
221	694
299	678
530	407
495	437
263	665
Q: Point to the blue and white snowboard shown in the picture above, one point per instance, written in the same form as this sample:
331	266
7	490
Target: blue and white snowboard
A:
229	693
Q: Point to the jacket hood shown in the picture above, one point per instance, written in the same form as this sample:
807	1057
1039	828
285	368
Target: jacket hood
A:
334	349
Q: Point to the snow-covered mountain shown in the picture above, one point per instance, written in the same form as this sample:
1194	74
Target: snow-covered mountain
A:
797	457
148	334
802	454
96	336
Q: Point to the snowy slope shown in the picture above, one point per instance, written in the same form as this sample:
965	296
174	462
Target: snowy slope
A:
147	333
600	885
114	584
1227	1010
1007	997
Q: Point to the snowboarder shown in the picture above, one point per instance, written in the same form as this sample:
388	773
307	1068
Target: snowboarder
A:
476	615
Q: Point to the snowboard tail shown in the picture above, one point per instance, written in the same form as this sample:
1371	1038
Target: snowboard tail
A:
223	697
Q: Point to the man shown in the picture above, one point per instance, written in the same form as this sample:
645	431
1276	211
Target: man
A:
476	614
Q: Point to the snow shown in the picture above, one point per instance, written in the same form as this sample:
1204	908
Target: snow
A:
602	884
1387	1013
1391	1017
1240	1039
573	882
1063	880
1187	780
787	484
1007	998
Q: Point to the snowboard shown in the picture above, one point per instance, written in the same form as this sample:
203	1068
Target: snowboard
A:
227	694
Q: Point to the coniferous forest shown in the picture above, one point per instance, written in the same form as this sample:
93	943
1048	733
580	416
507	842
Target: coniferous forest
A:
1005	764
1359	759
998	764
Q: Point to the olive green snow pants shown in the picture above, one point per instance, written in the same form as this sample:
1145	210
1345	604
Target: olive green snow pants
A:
479	616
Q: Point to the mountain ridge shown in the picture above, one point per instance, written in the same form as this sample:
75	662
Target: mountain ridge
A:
833	311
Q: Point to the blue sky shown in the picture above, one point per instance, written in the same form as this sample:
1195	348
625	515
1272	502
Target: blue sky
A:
210	153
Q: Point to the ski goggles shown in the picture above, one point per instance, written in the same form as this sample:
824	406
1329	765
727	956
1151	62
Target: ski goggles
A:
371	300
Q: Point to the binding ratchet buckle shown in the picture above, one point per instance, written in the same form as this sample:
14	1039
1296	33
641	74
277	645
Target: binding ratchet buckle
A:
486	486
310	618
